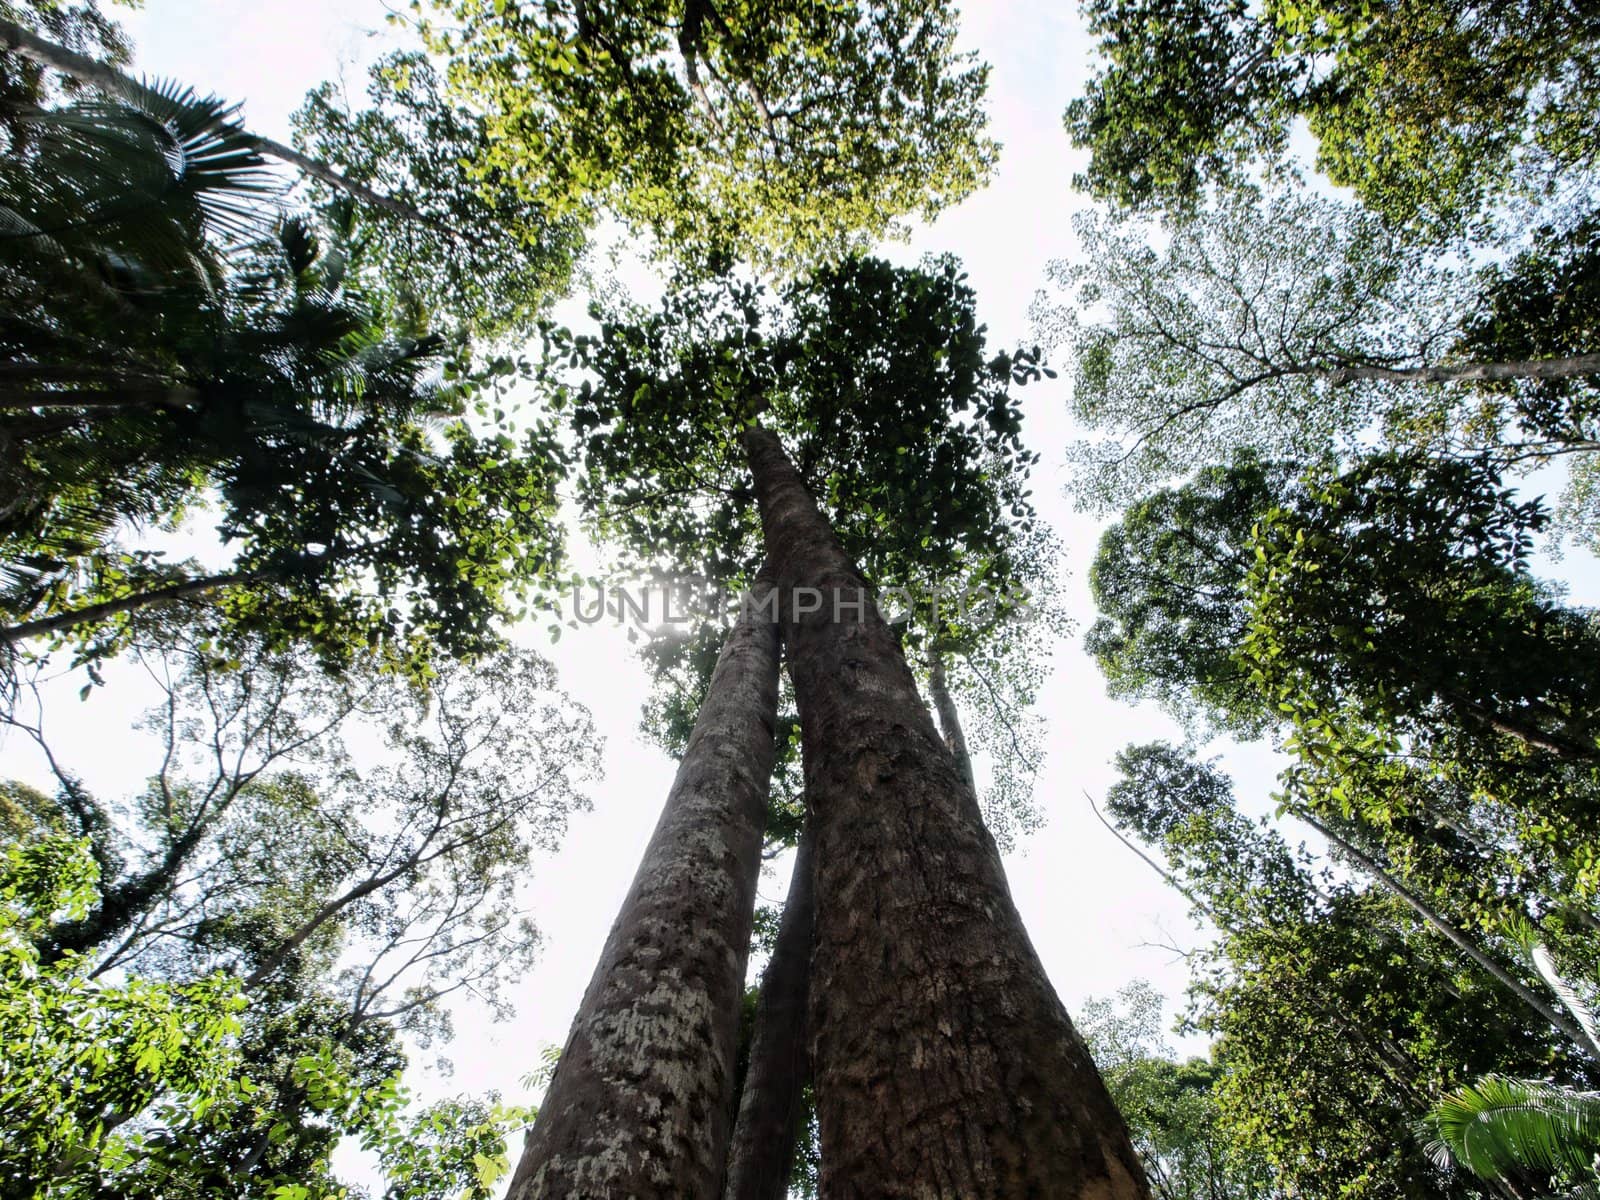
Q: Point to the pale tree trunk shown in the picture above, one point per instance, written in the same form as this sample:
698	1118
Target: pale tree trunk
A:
945	1066
1492	372
772	1106
641	1102
949	719
1452	932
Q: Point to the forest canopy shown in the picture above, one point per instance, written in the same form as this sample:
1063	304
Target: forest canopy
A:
314	422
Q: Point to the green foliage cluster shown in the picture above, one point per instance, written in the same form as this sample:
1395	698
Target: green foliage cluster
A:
1337	1014
1436	703
83	1057
779	132
1504	1129
477	256
1431	110
1228	331
279	925
903	424
1172	1107
878	379
1310	415
170	348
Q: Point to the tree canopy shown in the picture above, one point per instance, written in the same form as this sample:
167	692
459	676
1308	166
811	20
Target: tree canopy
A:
172	347
288	920
781	133
1431	110
905	428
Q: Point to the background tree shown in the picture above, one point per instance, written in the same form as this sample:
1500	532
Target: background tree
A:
1383	622
479	256
1336	1011
142	377
1171	1107
1291	324
344	905
81	1059
1166	581
1432	111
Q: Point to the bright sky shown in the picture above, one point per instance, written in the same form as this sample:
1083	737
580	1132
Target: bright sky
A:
1098	916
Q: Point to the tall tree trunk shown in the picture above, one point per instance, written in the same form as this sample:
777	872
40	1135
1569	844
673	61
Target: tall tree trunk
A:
945	1066
641	1102
772	1106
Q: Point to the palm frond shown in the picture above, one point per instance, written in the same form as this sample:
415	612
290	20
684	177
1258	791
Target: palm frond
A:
161	182
1499	1125
213	158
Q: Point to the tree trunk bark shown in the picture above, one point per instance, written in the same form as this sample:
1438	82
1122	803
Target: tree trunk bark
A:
642	1098
770	1110
945	1066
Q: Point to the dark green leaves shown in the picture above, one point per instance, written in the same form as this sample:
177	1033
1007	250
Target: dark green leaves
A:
880	382
482	257
305	404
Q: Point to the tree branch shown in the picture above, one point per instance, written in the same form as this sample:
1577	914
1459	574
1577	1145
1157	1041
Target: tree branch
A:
11	634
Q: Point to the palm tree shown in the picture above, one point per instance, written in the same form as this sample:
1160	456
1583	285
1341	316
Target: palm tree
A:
174	343
1518	1129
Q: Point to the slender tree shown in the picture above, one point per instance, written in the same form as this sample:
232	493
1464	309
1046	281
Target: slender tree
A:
641	1102
772	1109
169	342
1337	1012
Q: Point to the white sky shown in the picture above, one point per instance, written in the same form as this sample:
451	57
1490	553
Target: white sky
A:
1094	911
